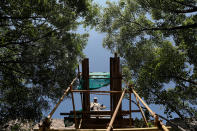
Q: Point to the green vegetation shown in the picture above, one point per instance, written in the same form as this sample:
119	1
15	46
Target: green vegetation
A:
39	52
157	41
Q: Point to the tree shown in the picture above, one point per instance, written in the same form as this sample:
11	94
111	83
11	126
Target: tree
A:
157	42
39	52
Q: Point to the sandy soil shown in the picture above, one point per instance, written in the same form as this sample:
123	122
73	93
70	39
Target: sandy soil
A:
56	123
29	126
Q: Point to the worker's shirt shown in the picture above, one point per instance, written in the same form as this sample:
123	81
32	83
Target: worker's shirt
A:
96	106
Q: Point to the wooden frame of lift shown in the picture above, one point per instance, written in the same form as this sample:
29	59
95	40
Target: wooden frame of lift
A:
115	112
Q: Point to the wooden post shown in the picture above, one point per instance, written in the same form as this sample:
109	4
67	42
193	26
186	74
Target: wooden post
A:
62	98
85	78
116	111
111	84
151	112
163	126
147	107
130	116
46	122
142	112
156	122
78	69
115	83
73	102
116	55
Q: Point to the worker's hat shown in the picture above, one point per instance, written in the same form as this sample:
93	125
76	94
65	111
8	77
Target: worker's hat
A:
95	98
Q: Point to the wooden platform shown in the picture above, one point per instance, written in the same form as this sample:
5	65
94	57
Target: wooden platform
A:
114	119
58	125
102	123
99	112
117	129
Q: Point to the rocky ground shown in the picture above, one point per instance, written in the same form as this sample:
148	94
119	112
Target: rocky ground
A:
29	126
16	125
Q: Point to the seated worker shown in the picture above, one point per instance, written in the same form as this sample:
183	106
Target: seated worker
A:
95	106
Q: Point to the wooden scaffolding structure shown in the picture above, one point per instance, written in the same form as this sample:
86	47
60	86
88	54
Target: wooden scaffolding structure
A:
115	120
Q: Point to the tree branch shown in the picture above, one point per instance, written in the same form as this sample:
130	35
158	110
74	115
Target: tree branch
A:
190	10
185	11
181	78
182	3
168	104
19	17
172	28
25	62
15	62
172	123
192	7
26	42
17	71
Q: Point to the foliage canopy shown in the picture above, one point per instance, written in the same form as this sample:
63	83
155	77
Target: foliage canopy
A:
39	52
157	41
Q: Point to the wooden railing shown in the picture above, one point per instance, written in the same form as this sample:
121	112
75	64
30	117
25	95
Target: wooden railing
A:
116	111
62	98
46	121
157	121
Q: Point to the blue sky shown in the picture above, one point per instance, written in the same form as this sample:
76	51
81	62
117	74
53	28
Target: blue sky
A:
98	56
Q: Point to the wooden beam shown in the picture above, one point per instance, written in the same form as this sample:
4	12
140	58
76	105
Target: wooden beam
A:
130	116
98	75
116	129
156	121
78	69
115	83
147	107
107	78
116	111
163	126
73	103
99	78
85	78
99	93
99	112
111	83
47	120
142	112
94	91
80	123
62	98
152	113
